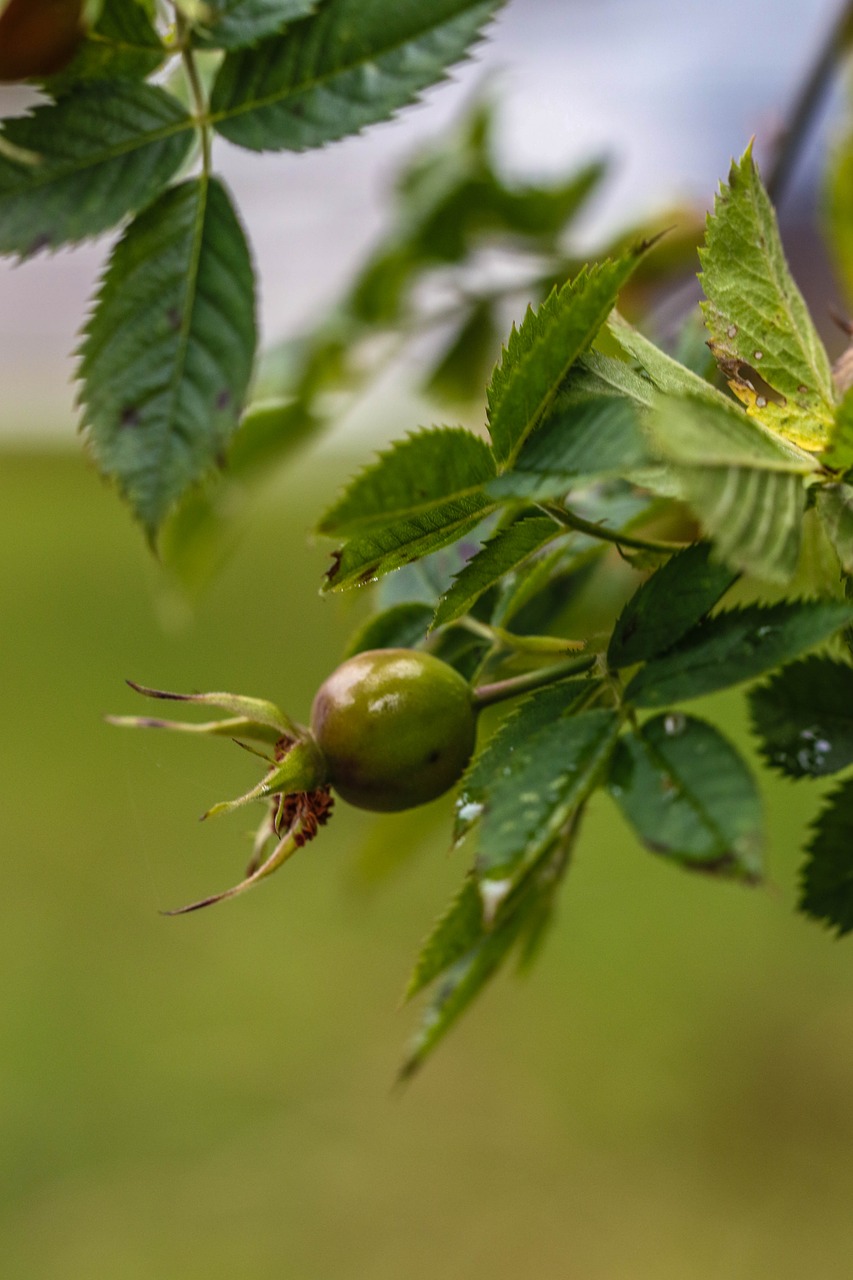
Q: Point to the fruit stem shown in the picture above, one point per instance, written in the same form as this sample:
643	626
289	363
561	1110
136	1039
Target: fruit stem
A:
485	695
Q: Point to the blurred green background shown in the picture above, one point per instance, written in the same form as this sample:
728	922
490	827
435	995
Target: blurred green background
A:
667	1095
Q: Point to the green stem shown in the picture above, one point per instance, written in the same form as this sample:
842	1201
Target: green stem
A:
500	638
571	520
485	695
834	49
196	90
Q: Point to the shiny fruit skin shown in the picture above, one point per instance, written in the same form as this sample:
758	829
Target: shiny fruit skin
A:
397	728
38	37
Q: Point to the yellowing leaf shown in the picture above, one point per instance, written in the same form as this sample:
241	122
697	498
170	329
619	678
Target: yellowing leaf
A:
761	332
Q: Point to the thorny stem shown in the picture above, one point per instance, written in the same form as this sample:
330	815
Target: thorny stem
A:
837	45
196	90
572	520
485	695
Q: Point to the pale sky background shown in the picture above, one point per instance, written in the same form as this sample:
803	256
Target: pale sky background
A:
669	90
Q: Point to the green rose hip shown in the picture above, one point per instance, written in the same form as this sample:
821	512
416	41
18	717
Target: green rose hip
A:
396	727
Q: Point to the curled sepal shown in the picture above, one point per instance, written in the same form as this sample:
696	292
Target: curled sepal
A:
234	727
256	711
303	815
299	767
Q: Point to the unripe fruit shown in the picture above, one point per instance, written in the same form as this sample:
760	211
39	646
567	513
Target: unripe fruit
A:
38	37
397	728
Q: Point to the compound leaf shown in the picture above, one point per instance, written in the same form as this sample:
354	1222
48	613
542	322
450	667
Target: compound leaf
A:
353	63
734	646
689	796
96	155
804	717
761	331
544	347
826	879
668	605
168	350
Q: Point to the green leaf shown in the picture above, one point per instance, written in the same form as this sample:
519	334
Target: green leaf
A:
541	779
453	935
462	983
371	555
736	646
761	332
804	717
413	480
541	351
744	485
100	153
835	508
754	517
667	374
668	605
689	796
403	626
695	430
504	552
826	879
167	353
232	24
528	716
354	63
123	42
584	437
600	375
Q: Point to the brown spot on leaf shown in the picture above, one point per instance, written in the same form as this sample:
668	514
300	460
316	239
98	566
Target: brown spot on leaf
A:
173	315
130	417
741	375
335	567
223	400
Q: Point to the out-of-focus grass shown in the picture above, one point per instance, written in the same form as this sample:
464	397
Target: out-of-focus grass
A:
667	1096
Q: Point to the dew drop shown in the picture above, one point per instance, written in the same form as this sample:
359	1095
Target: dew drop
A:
674	724
492	894
732	331
760	402
758	355
468	810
